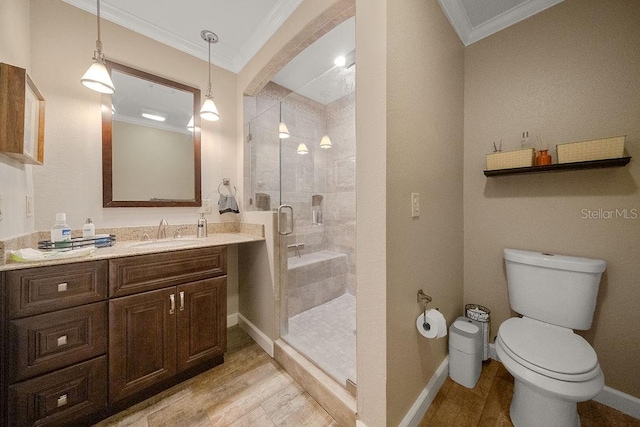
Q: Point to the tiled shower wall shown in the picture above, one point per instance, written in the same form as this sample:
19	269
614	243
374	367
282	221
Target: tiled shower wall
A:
330	173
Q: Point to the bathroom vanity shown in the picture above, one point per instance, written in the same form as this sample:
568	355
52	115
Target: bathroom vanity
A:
84	339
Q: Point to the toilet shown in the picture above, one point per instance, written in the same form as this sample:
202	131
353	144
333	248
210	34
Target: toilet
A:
553	367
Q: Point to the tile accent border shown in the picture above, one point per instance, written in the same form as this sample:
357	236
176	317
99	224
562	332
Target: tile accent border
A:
424	400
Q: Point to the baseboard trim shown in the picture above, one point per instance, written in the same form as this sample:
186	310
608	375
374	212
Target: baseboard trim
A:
256	334
618	400
422	403
611	397
232	320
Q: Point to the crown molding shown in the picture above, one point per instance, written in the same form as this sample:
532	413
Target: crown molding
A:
140	26
263	32
455	12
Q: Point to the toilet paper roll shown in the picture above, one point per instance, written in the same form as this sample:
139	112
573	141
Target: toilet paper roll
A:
433	325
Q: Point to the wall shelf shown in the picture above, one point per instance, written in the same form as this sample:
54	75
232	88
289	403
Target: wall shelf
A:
592	164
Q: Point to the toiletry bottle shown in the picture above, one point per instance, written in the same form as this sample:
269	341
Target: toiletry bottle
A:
525	142
202	226
88	230
61	232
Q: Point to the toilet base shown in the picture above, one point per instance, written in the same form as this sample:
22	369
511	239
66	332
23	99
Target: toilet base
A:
529	408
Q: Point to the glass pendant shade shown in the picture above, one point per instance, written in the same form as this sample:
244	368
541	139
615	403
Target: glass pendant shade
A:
325	142
302	148
209	111
283	132
97	78
191	125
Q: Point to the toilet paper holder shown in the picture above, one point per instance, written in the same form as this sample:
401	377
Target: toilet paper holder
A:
424	299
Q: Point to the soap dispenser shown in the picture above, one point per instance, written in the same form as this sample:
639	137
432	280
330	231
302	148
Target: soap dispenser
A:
88	230
202	225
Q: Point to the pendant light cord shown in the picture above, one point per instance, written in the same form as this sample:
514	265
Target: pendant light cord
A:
98	55
209	91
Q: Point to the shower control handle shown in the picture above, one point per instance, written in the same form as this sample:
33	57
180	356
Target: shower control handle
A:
289	229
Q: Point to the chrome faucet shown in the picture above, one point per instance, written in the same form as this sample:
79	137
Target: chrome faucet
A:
162	229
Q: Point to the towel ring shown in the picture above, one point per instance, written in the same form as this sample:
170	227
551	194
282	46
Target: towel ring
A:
235	190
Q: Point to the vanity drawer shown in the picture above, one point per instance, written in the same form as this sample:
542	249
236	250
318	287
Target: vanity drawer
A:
142	273
44	289
61	397
54	340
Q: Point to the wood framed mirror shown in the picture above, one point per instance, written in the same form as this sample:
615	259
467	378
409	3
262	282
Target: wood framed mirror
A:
150	141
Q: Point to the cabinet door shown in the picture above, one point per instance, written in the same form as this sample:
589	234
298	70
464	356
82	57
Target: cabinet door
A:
202	321
142	341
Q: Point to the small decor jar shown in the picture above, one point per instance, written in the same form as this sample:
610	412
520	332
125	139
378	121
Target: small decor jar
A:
543	158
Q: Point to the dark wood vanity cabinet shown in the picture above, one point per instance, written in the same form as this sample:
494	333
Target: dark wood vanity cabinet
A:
157	334
54	333
78	337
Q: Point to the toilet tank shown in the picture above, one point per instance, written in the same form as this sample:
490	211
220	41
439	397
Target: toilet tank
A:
556	289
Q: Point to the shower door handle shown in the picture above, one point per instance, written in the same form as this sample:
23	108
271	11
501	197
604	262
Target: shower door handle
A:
289	229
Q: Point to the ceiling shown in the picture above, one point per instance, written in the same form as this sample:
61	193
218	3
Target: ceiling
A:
474	20
243	26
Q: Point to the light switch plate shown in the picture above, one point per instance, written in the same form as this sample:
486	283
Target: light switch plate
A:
1	207
415	205
206	206
29	206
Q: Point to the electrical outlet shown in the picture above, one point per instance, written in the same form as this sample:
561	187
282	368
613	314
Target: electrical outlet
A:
1	207
415	205
206	206
29	206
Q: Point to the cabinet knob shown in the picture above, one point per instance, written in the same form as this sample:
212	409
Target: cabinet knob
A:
62	287
62	340
62	400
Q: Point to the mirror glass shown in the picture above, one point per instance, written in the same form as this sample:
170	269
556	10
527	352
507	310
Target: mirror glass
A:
150	141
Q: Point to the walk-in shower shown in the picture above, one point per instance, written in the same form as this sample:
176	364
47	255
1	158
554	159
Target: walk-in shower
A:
312	170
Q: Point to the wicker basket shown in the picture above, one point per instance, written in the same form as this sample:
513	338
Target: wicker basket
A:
595	149
511	159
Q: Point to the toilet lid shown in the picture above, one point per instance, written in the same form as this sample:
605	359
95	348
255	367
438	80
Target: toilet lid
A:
548	348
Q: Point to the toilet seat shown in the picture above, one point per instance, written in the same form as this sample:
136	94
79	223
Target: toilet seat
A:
549	350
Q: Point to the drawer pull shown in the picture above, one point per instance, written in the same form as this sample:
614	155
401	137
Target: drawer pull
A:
172	300
62	287
62	340
62	400
181	300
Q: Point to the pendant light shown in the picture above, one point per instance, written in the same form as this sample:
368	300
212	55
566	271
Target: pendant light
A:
302	148
283	131
209	111
325	142
97	77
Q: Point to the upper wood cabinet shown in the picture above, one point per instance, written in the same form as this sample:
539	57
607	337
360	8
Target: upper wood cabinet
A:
21	116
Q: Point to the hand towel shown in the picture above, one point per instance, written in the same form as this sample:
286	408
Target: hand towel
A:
227	204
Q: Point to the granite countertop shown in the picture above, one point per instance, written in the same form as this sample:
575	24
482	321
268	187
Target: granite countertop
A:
136	247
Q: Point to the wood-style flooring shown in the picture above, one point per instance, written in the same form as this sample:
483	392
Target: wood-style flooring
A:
488	404
248	389
251	389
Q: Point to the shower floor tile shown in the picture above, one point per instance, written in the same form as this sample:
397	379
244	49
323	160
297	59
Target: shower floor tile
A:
327	336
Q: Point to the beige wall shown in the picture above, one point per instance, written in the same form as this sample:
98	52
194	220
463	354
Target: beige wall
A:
570	73
16	179
63	41
425	75
371	195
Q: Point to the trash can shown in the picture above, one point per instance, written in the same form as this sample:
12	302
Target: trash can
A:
465	352
483	315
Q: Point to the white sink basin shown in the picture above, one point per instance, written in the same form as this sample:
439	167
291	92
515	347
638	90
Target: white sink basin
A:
170	243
